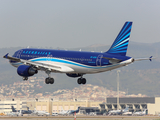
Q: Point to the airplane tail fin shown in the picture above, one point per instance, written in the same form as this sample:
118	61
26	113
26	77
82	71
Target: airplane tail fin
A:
13	109
120	44
126	109
62	109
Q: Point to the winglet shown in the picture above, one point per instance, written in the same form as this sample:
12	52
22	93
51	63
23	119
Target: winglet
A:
150	58
6	56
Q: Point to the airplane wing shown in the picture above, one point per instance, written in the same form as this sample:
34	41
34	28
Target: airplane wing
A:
41	66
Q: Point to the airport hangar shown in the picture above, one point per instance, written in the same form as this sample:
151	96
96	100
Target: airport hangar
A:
152	104
50	105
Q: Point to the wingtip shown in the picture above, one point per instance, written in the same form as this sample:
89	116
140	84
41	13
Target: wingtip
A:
6	55
150	58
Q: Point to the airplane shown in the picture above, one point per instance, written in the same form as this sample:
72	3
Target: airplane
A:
140	113
74	111
40	113
22	111
119	112
27	111
127	113
73	63
63	112
15	112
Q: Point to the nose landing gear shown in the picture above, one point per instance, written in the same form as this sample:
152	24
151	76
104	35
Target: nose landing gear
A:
25	78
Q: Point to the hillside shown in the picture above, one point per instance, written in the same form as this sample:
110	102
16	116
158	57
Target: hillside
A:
140	77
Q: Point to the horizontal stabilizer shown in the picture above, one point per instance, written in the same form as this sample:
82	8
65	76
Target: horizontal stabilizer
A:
140	59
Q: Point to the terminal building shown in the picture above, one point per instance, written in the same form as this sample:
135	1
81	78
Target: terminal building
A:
152	104
46	104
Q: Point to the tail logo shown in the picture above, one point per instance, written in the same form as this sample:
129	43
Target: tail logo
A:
120	44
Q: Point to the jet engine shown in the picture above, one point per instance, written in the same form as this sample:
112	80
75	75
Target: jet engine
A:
26	71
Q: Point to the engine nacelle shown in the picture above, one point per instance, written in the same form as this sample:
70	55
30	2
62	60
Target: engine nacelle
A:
73	75
26	71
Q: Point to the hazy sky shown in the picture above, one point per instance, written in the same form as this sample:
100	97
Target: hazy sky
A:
76	23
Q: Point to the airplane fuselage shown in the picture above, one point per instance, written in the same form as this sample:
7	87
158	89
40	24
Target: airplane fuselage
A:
77	61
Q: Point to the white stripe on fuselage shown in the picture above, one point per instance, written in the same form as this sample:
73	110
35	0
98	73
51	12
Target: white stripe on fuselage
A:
80	68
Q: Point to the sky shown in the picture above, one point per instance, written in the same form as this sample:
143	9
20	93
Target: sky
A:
76	23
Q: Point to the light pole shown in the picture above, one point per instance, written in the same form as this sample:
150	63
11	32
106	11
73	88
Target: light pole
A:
118	89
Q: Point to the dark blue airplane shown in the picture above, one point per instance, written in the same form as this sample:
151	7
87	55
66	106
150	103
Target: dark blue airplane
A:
74	111
22	111
74	63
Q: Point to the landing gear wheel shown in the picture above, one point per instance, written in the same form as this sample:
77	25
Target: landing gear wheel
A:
49	80
25	78
79	81
83	81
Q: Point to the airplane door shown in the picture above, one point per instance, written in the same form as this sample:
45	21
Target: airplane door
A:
48	57
98	61
19	53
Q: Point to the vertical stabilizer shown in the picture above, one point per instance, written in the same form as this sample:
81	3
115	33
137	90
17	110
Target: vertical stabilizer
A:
120	44
13	109
126	109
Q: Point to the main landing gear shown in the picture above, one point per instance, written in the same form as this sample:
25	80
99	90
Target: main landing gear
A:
49	80
81	81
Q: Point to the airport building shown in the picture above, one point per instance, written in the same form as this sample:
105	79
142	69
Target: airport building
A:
152	104
5	105
48	105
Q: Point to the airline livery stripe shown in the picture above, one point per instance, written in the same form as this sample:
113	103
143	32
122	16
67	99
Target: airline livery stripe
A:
124	44
71	63
123	31
121	43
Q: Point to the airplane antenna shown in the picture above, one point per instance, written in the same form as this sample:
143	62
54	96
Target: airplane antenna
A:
28	47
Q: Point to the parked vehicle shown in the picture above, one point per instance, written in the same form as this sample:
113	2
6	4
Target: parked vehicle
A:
54	114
